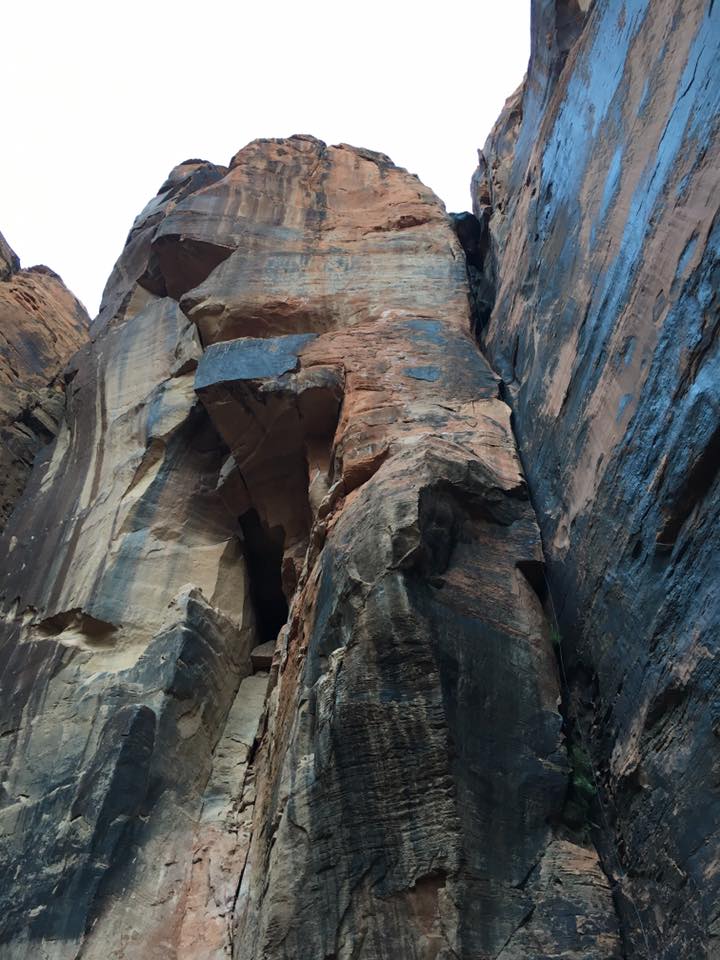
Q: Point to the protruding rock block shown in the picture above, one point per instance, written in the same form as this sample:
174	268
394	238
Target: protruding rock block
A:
262	656
247	359
137	271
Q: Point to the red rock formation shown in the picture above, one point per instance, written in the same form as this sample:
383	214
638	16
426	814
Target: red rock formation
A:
605	332
277	677
348	467
41	325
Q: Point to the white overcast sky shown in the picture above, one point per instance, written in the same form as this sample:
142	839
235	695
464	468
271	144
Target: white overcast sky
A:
102	99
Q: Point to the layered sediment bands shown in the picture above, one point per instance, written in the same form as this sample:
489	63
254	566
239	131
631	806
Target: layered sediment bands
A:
335	233
127	631
41	325
605	333
284	417
413	764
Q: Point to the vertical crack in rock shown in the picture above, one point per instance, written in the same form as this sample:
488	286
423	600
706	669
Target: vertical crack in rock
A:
264	555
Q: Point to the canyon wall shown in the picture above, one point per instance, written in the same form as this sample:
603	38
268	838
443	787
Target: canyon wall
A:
326	633
600	184
277	679
41	326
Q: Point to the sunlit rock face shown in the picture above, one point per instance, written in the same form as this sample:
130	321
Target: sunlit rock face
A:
127	633
276	676
41	325
606	240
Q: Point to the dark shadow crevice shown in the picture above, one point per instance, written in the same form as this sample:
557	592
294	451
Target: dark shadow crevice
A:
176	265
264	550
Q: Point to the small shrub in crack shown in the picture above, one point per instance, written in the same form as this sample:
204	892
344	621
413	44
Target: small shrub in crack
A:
582	791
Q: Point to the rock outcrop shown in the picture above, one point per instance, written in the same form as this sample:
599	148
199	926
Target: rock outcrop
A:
41	326
290	667
283	449
601	188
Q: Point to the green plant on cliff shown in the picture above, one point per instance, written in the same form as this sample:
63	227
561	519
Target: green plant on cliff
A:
582	790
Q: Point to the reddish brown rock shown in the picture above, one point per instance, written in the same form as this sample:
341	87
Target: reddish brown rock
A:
413	761
606	335
335	476
41	325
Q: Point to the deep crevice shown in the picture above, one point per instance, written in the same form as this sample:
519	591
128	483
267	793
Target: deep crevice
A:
264	555
474	237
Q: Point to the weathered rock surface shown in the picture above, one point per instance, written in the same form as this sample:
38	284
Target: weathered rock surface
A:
135	273
603	186
127	634
283	438
9	260
41	325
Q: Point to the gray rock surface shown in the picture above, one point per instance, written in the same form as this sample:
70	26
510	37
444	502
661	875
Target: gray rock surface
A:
605	332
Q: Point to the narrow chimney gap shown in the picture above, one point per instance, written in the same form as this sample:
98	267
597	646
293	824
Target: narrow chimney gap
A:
264	549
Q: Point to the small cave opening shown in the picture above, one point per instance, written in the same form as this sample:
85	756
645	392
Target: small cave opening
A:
264	555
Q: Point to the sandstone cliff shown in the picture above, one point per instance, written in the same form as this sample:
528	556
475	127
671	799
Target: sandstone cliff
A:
288	666
41	325
283	450
603	204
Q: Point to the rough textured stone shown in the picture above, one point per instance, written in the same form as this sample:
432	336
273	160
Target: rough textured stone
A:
334	478
9	260
123	294
127	630
607	245
413	763
41	325
98	779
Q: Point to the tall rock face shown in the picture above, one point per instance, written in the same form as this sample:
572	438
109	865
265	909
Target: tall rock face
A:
603	209
276	678
41	326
